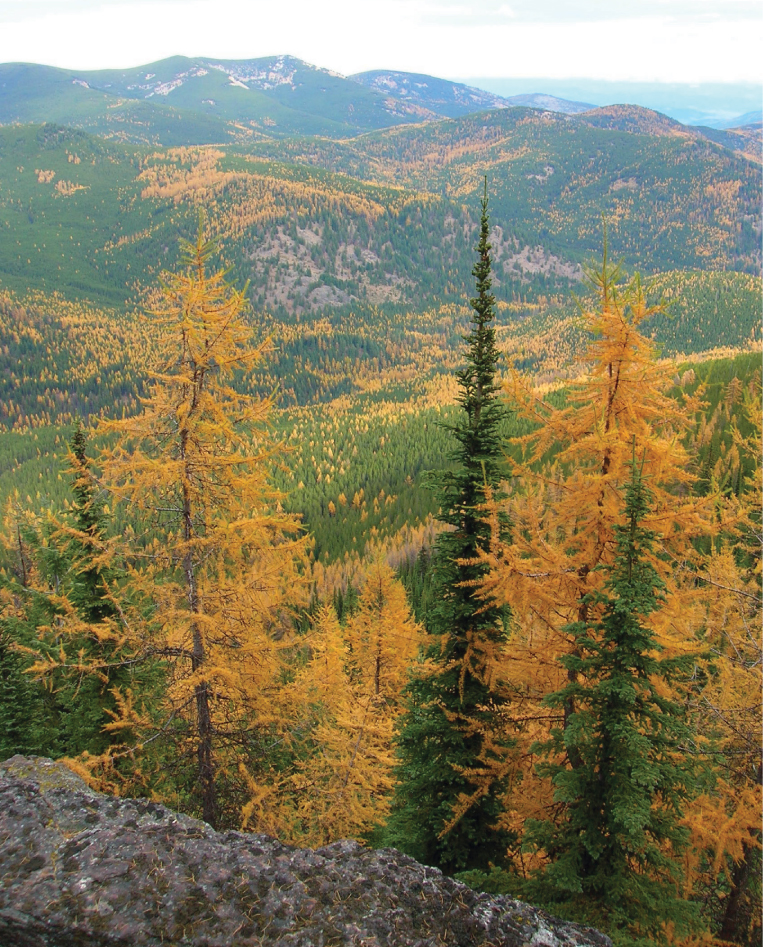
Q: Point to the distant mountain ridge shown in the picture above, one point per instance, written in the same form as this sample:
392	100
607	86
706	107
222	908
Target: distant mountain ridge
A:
203	100
454	99
286	80
449	99
740	121
181	101
216	100
550	103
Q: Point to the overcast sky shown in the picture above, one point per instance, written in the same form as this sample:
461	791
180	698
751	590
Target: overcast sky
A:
646	40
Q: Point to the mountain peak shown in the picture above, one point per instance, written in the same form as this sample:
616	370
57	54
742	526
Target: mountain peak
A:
634	119
441	96
549	103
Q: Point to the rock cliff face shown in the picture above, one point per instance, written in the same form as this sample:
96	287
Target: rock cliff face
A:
79	868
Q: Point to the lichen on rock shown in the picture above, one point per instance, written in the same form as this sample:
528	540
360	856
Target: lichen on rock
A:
80	868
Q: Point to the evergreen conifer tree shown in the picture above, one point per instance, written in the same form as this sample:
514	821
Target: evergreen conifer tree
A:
63	592
93	576
617	830
26	718
452	770
27	710
76	556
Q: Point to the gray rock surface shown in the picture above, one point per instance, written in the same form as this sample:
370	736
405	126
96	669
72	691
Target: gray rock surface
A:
80	869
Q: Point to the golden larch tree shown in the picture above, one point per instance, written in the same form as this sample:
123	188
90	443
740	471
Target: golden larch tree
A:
341	711
383	637
723	863
215	564
568	503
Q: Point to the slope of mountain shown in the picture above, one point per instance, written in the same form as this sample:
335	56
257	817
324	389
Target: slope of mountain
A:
550	103
181	101
640	121
242	89
633	119
668	193
44	94
395	226
747	140
90	218
202	101
454	99
274	96
450	99
754	117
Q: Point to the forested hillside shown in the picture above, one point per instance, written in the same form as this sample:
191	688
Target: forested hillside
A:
350	487
197	644
445	98
181	101
554	175
360	280
95	219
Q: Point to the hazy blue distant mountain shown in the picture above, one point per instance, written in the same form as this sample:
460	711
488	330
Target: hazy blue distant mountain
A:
703	103
550	103
451	99
454	99
741	121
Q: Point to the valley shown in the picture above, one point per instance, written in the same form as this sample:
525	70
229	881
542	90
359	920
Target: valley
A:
302	481
357	258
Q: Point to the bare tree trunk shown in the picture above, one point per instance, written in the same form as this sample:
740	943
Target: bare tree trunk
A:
568	707
731	929
21	558
204	753
732	921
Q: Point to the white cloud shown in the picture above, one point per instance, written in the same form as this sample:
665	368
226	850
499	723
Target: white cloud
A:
555	11
664	40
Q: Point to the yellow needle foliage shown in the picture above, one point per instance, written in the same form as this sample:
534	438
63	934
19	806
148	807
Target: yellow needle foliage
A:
565	510
725	820
341	711
217	569
383	637
240	200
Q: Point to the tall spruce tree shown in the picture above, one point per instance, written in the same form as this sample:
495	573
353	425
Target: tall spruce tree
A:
27	717
614	840
452	767
77	560
92	576
65	580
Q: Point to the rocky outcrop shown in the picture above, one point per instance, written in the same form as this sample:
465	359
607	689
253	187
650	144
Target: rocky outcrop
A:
79	868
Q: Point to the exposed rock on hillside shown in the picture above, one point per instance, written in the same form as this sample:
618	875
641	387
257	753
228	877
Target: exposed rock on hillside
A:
82	868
